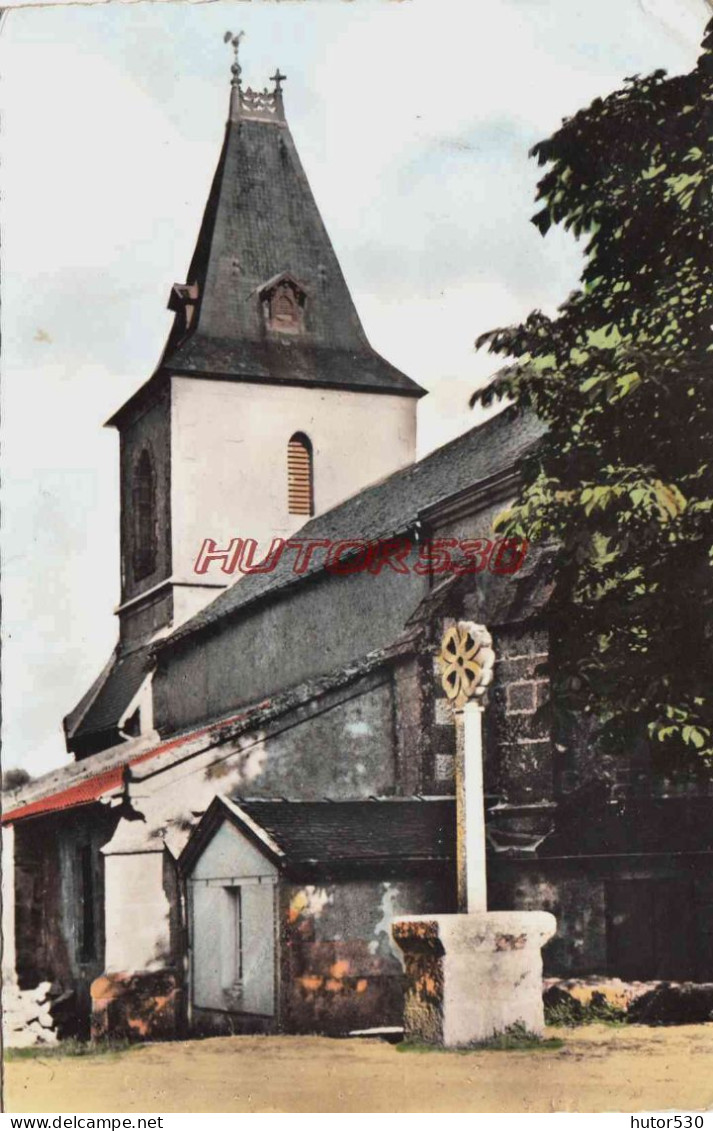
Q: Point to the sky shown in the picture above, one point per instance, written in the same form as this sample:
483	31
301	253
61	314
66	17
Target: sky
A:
413	121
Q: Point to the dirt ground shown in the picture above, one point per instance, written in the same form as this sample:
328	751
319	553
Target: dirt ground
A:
597	1069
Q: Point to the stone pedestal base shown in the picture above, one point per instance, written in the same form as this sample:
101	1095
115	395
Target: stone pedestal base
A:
469	977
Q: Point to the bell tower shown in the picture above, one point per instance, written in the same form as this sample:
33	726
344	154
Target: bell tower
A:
268	404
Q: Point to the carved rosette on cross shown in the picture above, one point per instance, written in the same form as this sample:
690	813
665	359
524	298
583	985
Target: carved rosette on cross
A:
467	661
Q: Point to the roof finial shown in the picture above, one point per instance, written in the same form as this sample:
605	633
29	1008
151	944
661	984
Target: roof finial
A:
234	41
278	80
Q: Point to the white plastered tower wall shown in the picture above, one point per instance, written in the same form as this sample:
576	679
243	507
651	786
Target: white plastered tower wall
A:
229	463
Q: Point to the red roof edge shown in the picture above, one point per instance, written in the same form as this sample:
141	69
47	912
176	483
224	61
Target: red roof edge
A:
93	788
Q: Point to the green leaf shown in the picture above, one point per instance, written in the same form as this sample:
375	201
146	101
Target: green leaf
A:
621	378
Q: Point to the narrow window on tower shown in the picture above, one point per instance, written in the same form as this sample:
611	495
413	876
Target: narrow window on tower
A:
300	475
144	517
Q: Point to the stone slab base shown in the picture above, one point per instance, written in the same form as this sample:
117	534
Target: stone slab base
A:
469	977
136	1007
646	1003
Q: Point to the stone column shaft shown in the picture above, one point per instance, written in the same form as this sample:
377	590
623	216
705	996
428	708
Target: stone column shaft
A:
470	809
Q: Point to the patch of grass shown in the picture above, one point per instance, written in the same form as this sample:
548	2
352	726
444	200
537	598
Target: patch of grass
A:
71	1047
516	1038
569	1012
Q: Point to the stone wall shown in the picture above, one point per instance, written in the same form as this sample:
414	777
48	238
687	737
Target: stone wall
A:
518	742
52	943
338	745
644	919
519	702
412	697
340	969
317	628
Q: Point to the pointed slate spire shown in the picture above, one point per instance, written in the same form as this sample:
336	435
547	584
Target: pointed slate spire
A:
265	298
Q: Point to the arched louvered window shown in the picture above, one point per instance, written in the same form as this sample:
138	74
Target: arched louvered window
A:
284	309
300	475
143	500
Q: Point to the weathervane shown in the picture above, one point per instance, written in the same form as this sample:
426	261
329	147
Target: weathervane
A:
234	41
257	105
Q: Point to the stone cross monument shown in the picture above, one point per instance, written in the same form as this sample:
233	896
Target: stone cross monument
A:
471	975
466	660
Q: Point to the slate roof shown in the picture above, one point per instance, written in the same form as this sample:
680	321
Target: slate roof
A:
74	717
90	779
289	362
386	509
492	598
327	835
325	831
261	221
101	709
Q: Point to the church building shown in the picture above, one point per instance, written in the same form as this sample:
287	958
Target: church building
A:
263	772
267	373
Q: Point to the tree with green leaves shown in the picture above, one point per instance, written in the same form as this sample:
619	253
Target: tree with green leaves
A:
622	482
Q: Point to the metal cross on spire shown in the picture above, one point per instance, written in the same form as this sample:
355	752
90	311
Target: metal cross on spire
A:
278	78
234	41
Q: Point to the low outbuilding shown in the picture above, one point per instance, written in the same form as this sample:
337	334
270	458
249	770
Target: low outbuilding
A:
289	909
